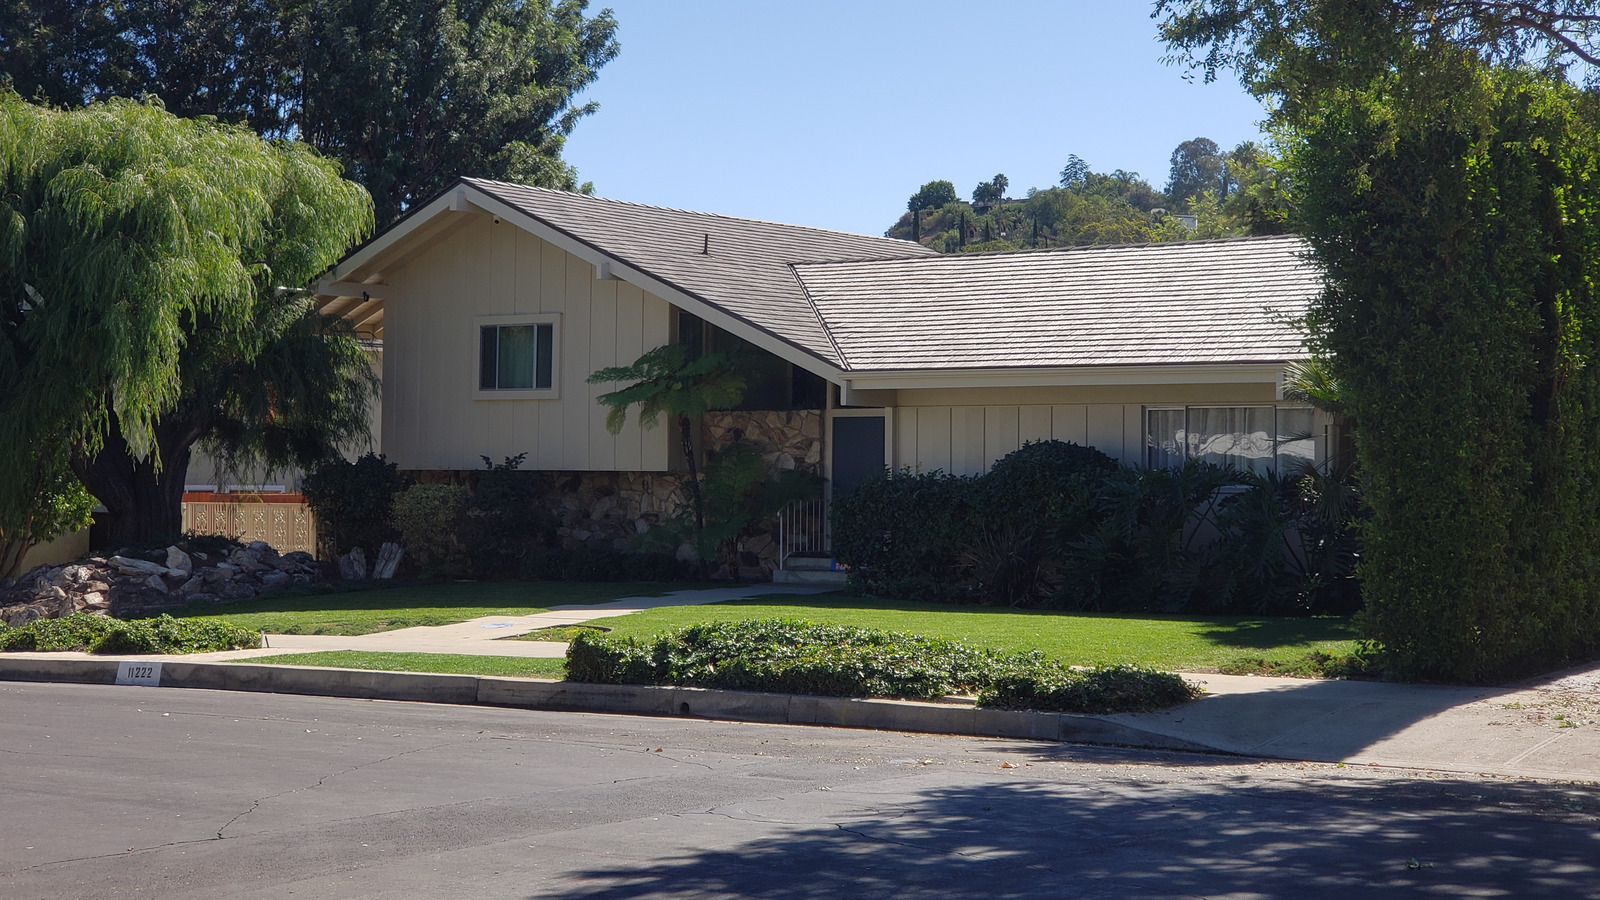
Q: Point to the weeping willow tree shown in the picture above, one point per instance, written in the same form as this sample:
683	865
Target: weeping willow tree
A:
147	266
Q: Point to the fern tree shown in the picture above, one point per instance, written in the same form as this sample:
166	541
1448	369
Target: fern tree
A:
142	307
666	381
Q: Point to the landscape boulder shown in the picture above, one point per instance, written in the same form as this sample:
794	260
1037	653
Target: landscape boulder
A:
124	583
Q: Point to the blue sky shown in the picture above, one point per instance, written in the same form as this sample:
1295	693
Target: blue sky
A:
832	113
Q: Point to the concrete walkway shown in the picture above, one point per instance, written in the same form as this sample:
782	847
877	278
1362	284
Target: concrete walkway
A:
486	636
1547	728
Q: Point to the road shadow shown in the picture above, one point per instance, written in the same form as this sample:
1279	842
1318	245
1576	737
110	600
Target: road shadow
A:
1216	837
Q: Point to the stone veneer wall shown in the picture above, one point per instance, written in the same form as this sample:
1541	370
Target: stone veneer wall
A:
606	509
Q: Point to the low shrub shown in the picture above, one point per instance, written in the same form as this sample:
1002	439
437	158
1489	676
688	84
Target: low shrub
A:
428	517
503	521
99	634
354	501
1100	691
902	534
789	656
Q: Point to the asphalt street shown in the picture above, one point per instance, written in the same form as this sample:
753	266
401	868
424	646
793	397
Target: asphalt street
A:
163	793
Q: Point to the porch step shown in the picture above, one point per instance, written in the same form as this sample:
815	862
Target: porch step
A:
808	576
808	570
811	563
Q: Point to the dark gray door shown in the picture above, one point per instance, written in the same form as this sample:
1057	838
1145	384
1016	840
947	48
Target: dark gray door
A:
857	450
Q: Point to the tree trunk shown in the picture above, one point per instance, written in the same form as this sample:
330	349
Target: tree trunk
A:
145	505
686	436
12	550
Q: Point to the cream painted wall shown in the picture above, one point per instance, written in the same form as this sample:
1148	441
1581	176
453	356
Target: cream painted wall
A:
65	548
966	440
436	418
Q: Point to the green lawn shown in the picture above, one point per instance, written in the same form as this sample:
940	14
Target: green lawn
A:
384	609
445	663
1184	643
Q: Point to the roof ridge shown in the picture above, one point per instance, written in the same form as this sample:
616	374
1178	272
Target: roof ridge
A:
844	361
1081	248
482	182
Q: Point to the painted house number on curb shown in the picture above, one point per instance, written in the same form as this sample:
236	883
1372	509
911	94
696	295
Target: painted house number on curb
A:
145	673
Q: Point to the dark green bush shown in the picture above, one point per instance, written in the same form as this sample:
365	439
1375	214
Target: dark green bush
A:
1142	539
354	501
787	656
1461	319
99	634
1055	524
1289	545
902	534
503	521
1100	691
1029	484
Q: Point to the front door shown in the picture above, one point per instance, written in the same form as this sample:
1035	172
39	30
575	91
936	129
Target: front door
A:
857	451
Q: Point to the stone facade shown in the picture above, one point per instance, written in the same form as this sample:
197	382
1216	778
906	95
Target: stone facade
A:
787	439
606	509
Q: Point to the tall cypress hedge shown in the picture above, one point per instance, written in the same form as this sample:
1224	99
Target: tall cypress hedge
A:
1456	216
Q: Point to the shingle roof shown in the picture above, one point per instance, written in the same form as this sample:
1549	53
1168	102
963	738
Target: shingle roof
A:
1229	301
746	272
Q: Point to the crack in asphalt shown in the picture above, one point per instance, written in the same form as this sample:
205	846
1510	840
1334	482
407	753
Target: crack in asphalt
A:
59	862
256	804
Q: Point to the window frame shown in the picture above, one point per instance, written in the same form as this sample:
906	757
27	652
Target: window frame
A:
1318	443
553	392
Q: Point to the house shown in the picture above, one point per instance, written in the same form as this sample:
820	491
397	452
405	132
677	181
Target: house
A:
494	302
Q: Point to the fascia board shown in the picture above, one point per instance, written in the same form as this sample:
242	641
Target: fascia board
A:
620	268
379	245
1199	373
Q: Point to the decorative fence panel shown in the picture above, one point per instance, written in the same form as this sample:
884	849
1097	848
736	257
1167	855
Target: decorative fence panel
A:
285	524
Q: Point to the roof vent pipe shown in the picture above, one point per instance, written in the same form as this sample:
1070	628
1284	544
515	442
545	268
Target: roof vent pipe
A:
706	250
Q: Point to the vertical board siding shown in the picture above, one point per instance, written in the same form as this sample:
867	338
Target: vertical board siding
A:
905	438
655	444
1105	429
430	366
497	257
602	353
1001	433
967	440
577	396
934	443
966	424
629	344
1033	424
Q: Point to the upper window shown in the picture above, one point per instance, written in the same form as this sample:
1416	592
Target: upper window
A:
516	355
1248	438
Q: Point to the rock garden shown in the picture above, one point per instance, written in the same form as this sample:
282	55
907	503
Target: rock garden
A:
130	584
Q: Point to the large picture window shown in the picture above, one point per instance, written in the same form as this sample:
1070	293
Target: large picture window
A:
516	356
1248	438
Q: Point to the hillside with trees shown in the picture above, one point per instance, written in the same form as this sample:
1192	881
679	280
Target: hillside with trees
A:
1209	193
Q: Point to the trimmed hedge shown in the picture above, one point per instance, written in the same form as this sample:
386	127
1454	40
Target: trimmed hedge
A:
98	634
796	657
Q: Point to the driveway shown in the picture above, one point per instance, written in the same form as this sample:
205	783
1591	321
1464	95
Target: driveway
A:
128	791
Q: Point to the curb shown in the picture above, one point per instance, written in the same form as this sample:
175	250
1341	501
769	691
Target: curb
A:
569	696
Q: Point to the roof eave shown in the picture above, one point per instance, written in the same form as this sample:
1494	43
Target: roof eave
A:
1269	372
464	196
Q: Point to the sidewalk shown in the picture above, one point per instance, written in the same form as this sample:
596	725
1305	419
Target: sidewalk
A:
1547	728
485	636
